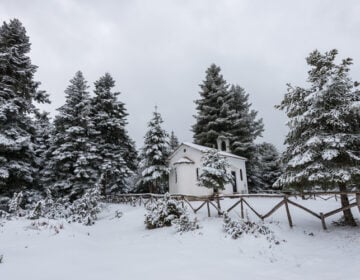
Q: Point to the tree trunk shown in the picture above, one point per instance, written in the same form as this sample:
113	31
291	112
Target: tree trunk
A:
151	188
348	216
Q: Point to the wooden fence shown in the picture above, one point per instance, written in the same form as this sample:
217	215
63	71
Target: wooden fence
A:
242	200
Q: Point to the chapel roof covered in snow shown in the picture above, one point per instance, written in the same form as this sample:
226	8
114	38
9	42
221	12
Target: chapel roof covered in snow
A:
205	149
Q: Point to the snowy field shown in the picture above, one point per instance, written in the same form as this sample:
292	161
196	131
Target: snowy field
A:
121	248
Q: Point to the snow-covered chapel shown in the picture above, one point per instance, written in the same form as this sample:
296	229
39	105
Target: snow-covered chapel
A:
185	165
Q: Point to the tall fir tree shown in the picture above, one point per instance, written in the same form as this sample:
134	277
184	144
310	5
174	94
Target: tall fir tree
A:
268	167
154	154
212	109
72	159
112	141
173	142
323	144
18	91
42	142
226	112
245	128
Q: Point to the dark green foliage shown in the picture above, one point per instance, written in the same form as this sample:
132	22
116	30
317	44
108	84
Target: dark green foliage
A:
85	209
116	153
226	112
155	172
212	110
162	212
245	127
43	129
323	141
244	130
323	144
173	142
73	156
267	168
18	91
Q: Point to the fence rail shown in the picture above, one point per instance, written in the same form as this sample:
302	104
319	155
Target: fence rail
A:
214	201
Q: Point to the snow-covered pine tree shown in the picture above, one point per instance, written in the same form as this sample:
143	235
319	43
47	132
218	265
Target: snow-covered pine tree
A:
214	173
113	143
224	111
15	203
86	208
212	109
244	130
269	164
162	212
18	91
130	153
42	143
173	142
154	154
71	167
323	145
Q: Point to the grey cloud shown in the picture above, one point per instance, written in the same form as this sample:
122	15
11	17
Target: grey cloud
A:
158	51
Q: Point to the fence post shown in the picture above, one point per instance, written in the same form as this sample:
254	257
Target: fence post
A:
208	207
218	204
323	220
358	200
288	212
242	208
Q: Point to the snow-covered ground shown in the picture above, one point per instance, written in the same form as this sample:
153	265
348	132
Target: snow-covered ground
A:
121	248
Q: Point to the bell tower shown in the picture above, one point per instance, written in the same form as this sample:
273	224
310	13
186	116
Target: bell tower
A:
223	144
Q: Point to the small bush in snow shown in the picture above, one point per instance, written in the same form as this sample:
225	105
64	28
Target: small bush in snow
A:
48	208
37	212
163	212
4	215
184	223
14	204
237	228
118	214
85	209
58	209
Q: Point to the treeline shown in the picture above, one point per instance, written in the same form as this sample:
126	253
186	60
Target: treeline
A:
87	145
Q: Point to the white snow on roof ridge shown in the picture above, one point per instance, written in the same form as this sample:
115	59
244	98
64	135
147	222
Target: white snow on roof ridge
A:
197	147
205	149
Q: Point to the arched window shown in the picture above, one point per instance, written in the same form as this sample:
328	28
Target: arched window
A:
223	145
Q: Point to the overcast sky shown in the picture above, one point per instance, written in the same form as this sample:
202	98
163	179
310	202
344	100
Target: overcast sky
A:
158	51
